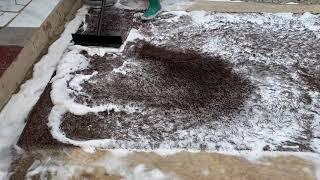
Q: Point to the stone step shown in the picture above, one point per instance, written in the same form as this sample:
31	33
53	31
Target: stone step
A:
31	31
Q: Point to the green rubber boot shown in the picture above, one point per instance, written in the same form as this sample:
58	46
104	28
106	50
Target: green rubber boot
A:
153	10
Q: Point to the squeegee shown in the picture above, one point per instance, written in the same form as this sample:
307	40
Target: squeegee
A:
105	40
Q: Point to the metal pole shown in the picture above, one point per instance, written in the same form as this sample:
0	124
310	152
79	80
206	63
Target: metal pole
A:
103	2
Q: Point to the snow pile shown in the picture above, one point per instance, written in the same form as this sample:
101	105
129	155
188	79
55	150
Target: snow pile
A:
14	114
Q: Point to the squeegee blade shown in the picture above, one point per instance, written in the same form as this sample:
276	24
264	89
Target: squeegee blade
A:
94	40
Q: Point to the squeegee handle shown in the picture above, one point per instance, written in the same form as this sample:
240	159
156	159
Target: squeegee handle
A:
103	3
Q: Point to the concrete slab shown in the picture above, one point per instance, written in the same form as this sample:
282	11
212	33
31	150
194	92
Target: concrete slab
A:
11	6
16	36
23	2
6	17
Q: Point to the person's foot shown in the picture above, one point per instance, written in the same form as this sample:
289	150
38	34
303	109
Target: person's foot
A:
153	10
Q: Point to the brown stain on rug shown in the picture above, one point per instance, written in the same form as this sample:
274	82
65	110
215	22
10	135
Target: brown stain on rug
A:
178	88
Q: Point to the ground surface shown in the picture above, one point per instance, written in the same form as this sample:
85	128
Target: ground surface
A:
7	56
193	80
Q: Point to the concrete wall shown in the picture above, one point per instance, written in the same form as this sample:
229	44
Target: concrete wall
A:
35	47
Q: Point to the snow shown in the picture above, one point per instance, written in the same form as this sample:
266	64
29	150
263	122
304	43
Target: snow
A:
292	3
133	4
175	5
153	174
271	88
79	79
10	5
166	5
12	121
134	34
92	50
115	165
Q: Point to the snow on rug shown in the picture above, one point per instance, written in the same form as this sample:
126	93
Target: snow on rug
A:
195	80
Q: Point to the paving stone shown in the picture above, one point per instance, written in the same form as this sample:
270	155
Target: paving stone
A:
6	17
11	5
34	14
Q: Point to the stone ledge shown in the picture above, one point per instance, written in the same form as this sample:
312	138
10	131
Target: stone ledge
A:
51	28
